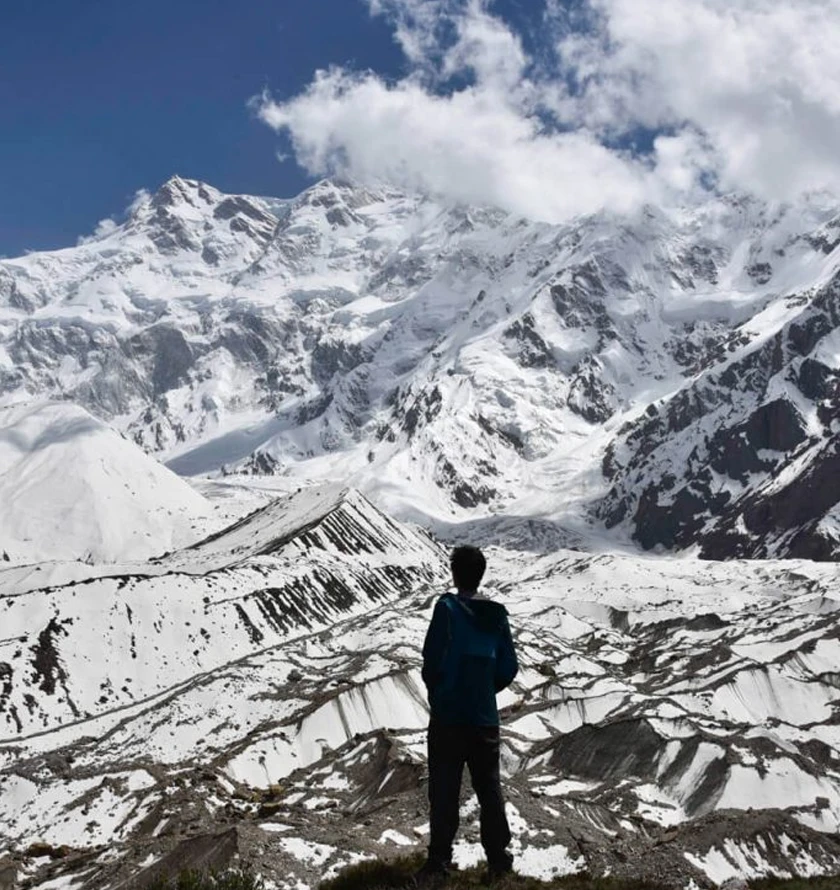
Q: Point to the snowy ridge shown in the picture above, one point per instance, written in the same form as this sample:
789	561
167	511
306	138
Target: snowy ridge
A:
327	517
72	488
742	459
460	365
79	653
560	392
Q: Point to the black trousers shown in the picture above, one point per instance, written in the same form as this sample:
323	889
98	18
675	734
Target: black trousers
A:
450	747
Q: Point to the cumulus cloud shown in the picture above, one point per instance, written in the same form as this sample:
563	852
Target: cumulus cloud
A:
467	146
760	79
735	94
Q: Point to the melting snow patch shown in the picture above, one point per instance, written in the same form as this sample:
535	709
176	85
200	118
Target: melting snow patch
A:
306	851
733	861
517	824
317	803
336	782
349	859
804	864
546	863
394	837
656	806
466	855
780	783
64	882
753	696
566	786
138	780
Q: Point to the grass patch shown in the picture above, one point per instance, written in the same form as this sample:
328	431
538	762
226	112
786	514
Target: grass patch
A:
397	874
197	879
831	883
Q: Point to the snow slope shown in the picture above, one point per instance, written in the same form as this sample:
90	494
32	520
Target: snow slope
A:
563	392
94	646
72	488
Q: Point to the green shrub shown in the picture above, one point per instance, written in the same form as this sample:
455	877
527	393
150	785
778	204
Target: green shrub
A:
195	879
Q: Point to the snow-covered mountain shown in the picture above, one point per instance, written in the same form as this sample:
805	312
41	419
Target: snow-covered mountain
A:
671	378
200	689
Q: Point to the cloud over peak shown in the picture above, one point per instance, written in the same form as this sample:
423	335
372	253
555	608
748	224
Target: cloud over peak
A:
741	94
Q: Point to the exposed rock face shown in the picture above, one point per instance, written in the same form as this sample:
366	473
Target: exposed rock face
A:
256	697
725	464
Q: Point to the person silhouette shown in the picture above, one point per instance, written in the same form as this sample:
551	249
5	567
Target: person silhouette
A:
468	657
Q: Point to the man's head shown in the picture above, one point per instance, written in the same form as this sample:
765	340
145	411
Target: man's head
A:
468	565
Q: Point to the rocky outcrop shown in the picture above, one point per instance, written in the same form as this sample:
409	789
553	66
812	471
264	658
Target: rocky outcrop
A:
725	465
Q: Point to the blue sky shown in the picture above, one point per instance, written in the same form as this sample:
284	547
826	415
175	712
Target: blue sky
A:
546	108
100	98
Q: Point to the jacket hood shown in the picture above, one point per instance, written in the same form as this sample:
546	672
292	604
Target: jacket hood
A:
485	614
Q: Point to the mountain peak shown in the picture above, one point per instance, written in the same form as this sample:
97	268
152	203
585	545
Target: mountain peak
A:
374	333
336	190
177	190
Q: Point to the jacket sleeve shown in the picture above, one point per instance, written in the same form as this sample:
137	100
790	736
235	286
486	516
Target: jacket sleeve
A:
506	663
436	645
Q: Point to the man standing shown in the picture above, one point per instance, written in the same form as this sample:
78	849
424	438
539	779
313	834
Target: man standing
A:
468	657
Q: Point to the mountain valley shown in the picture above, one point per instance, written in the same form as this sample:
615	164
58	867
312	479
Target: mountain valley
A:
237	438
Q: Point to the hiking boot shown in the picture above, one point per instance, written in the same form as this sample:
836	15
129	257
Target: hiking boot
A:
431	874
498	868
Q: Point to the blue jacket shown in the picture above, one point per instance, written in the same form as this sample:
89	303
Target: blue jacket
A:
468	657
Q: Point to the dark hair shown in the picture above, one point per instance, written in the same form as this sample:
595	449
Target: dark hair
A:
468	565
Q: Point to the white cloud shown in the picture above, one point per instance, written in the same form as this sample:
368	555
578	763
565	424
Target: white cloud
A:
103	228
141	197
467	146
108	226
488	48
759	78
742	92
416	28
